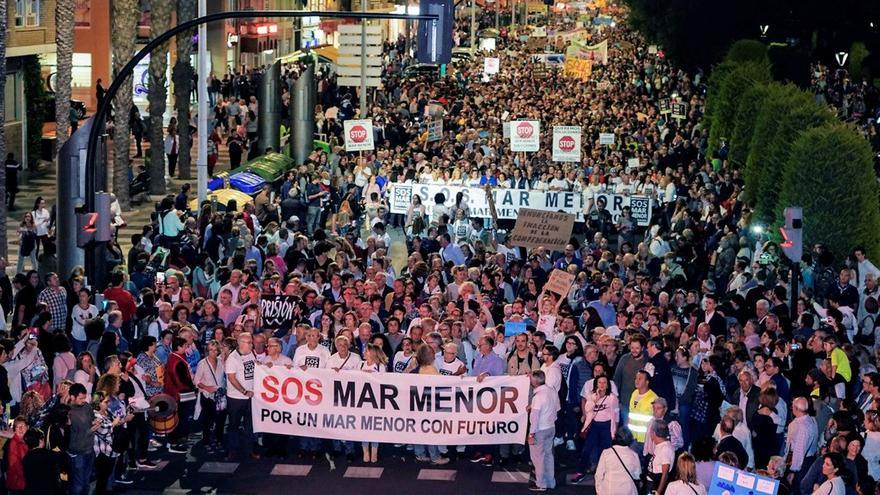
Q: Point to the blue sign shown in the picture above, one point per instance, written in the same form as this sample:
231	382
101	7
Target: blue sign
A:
514	328
727	480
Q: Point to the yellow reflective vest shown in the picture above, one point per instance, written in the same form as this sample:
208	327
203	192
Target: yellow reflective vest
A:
641	412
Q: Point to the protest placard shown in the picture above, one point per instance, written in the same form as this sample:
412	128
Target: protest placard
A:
435	130
525	135
358	135
535	228
728	480
560	282
606	138
514	328
276	311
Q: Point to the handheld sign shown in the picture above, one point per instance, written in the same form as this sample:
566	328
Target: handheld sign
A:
525	135
514	328
358	135
560	282
536	228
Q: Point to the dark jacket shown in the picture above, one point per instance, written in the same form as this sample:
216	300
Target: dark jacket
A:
752	403
731	444
717	324
661	381
42	472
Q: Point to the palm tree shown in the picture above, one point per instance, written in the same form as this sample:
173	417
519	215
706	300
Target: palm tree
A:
3	213
160	21
125	14
64	22
183	77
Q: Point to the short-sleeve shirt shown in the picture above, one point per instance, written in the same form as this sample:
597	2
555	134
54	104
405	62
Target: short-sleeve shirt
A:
243	367
664	453
841	361
311	358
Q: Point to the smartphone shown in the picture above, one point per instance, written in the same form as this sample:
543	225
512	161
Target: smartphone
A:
160	277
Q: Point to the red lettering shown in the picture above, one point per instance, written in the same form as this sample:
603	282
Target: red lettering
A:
299	390
270	384
313	388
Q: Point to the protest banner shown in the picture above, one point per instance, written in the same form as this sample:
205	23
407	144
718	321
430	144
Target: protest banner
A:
358	135
632	163
597	53
606	138
276	311
508	202
665	106
491	65
727	480
566	143
525	135
435	130
536	228
559	282
390	407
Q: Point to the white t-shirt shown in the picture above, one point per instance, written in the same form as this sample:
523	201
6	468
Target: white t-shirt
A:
350	362
588	388
279	360
311	358
679	487
401	361
664	453
79	317
242	366
372	368
448	369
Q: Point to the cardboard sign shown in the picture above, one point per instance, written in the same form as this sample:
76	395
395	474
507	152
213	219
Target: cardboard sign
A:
606	138
536	228
578	69
505	130
727	480
514	328
566	143
358	135
525	135
435	130
560	282
276	311
491	65
633	163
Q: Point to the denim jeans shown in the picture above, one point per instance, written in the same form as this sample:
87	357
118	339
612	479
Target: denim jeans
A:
81	467
542	458
427	451
344	446
240	412
598	439
313	219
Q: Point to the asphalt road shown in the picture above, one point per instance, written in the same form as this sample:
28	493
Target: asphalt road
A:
396	473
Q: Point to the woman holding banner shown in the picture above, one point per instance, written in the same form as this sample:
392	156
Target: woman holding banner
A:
375	361
425	366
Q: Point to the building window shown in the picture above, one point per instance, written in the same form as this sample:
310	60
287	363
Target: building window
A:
28	13
81	73
13	102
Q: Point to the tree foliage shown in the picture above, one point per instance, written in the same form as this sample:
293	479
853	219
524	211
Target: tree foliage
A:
747	51
830	175
729	95
744	123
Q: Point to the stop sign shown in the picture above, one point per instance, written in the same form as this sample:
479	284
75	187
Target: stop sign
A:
358	134
566	143
525	130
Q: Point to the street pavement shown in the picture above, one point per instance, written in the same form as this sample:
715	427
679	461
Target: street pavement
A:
396	472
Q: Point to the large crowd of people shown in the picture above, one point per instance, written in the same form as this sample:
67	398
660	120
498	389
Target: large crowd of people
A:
679	344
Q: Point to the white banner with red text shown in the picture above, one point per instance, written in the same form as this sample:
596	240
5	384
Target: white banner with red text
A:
390	407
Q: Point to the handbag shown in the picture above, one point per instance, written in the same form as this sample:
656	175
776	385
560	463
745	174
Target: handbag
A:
219	394
640	486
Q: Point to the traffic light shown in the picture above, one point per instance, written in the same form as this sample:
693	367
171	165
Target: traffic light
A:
85	228
95	226
793	233
435	36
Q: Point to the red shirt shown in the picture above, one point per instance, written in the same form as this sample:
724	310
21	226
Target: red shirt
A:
125	301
